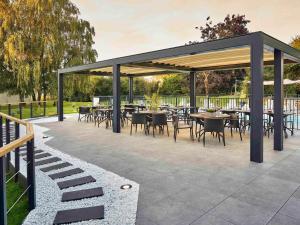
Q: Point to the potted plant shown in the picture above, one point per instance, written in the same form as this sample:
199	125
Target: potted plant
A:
154	101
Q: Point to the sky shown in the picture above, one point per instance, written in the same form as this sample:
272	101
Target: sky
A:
126	27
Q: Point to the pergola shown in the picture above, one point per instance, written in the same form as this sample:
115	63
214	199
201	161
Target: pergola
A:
254	50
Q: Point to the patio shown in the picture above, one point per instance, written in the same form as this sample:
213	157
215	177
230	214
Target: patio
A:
185	183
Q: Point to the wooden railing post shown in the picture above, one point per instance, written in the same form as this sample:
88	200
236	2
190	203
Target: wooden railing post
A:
31	113
17	152
9	109
31	174
21	110
44	104
7	141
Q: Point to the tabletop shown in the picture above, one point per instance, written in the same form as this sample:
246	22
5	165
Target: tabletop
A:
206	115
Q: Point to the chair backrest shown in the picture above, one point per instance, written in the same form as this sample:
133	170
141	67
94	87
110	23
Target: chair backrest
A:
234	121
175	120
129	110
213	125
84	110
129	106
159	119
138	118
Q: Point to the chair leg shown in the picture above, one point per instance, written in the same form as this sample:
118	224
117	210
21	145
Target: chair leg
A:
135	128
175	135
223	138
218	134
204	139
153	132
168	130
131	129
240	134
231	130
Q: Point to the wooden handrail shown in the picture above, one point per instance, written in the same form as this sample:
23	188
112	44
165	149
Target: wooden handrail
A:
20	141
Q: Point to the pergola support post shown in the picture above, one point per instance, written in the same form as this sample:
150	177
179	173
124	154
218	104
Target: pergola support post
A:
256	103
192	90
130	89
116	99
60	103
278	100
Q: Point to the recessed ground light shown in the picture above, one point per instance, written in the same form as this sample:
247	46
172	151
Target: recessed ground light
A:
126	186
45	137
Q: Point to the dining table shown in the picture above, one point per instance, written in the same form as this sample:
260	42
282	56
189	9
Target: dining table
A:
201	116
207	115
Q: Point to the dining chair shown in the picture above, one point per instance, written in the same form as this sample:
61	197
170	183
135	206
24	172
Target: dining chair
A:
234	123
84	112
139	118
127	114
213	126
179	126
160	120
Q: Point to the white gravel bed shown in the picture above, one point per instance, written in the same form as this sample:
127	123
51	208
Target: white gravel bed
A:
120	206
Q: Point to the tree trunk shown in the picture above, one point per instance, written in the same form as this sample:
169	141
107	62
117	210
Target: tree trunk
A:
33	96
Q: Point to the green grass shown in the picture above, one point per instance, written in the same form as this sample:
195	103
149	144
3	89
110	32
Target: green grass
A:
20	210
38	110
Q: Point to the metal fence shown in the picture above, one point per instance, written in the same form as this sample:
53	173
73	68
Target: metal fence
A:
291	104
24	110
11	142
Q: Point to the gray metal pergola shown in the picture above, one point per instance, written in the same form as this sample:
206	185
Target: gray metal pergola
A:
254	50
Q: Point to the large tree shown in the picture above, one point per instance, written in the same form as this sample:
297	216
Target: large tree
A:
39	36
222	81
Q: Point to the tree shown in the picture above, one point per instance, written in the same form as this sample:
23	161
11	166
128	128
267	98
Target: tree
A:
40	36
222	81
233	25
174	85
293	71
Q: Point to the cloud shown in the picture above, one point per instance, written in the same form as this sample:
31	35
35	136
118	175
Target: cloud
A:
131	26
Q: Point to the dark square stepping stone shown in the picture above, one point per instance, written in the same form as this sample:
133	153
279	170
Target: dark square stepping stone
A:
77	195
40	156
65	173
75	182
56	167
35	152
47	161
79	215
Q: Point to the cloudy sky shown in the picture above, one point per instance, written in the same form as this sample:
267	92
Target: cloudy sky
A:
125	27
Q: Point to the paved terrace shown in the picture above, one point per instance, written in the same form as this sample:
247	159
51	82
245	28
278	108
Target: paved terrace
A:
184	183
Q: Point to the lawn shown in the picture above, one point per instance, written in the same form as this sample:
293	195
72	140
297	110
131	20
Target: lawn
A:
38	109
20	210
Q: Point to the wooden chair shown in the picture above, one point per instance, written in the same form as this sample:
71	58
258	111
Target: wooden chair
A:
159	120
139	118
188	124
213	126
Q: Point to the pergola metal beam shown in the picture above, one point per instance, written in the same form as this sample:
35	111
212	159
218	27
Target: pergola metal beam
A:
193	90
130	94
234	66
116	122
256	101
278	100
99	73
279	45
169	67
